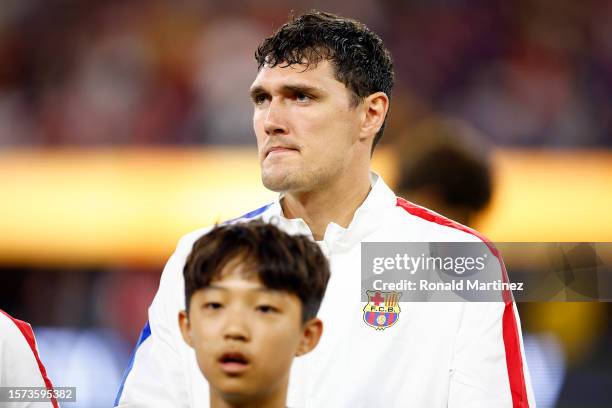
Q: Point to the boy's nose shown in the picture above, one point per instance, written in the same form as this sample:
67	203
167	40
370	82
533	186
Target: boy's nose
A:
237	329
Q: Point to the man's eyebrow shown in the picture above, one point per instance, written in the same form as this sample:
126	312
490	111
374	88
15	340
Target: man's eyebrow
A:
259	90
300	88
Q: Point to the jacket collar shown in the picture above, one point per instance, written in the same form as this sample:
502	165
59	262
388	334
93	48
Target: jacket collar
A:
367	218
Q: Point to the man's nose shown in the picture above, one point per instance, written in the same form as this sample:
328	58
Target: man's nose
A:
274	123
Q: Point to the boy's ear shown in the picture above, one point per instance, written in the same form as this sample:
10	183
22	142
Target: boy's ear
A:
311	333
185	327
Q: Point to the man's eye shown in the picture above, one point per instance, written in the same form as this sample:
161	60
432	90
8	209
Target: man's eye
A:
212	305
259	99
302	97
267	309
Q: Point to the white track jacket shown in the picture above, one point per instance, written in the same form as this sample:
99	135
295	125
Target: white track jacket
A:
456	355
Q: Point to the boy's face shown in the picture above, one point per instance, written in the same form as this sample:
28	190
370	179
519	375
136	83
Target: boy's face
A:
245	335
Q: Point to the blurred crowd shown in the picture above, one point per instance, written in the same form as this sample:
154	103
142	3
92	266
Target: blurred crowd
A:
526	72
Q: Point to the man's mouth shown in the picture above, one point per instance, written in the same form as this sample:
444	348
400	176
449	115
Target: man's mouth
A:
234	362
279	150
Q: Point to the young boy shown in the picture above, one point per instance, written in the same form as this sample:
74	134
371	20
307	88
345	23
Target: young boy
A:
252	293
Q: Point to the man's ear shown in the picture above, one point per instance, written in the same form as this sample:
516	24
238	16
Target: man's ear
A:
311	333
375	107
185	327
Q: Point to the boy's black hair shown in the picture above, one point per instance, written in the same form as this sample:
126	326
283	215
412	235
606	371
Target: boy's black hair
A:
290	263
359	58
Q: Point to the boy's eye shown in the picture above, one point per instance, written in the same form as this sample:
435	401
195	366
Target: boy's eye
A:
212	305
267	309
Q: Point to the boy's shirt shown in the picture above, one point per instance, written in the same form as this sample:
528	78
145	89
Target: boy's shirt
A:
435	355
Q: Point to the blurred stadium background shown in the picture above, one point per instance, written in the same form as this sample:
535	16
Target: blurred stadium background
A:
125	124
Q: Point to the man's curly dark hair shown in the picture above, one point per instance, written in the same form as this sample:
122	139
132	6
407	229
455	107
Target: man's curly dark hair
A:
360	60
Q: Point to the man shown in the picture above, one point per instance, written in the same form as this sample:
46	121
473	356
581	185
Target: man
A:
320	99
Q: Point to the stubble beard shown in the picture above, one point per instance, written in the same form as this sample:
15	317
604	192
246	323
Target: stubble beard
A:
300	180
285	182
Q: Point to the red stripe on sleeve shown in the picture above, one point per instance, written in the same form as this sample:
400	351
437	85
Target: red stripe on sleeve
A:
26	331
512	345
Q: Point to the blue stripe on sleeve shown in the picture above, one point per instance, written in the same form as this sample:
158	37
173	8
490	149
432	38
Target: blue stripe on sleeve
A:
144	334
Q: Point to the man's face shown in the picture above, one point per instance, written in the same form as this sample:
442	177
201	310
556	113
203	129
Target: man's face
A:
245	336
305	126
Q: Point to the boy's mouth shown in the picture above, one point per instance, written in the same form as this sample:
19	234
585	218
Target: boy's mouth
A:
233	362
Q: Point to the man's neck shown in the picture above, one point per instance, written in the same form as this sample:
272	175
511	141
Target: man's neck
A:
336	203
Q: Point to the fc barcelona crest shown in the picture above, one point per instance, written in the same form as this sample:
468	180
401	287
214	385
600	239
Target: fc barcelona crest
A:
382	310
